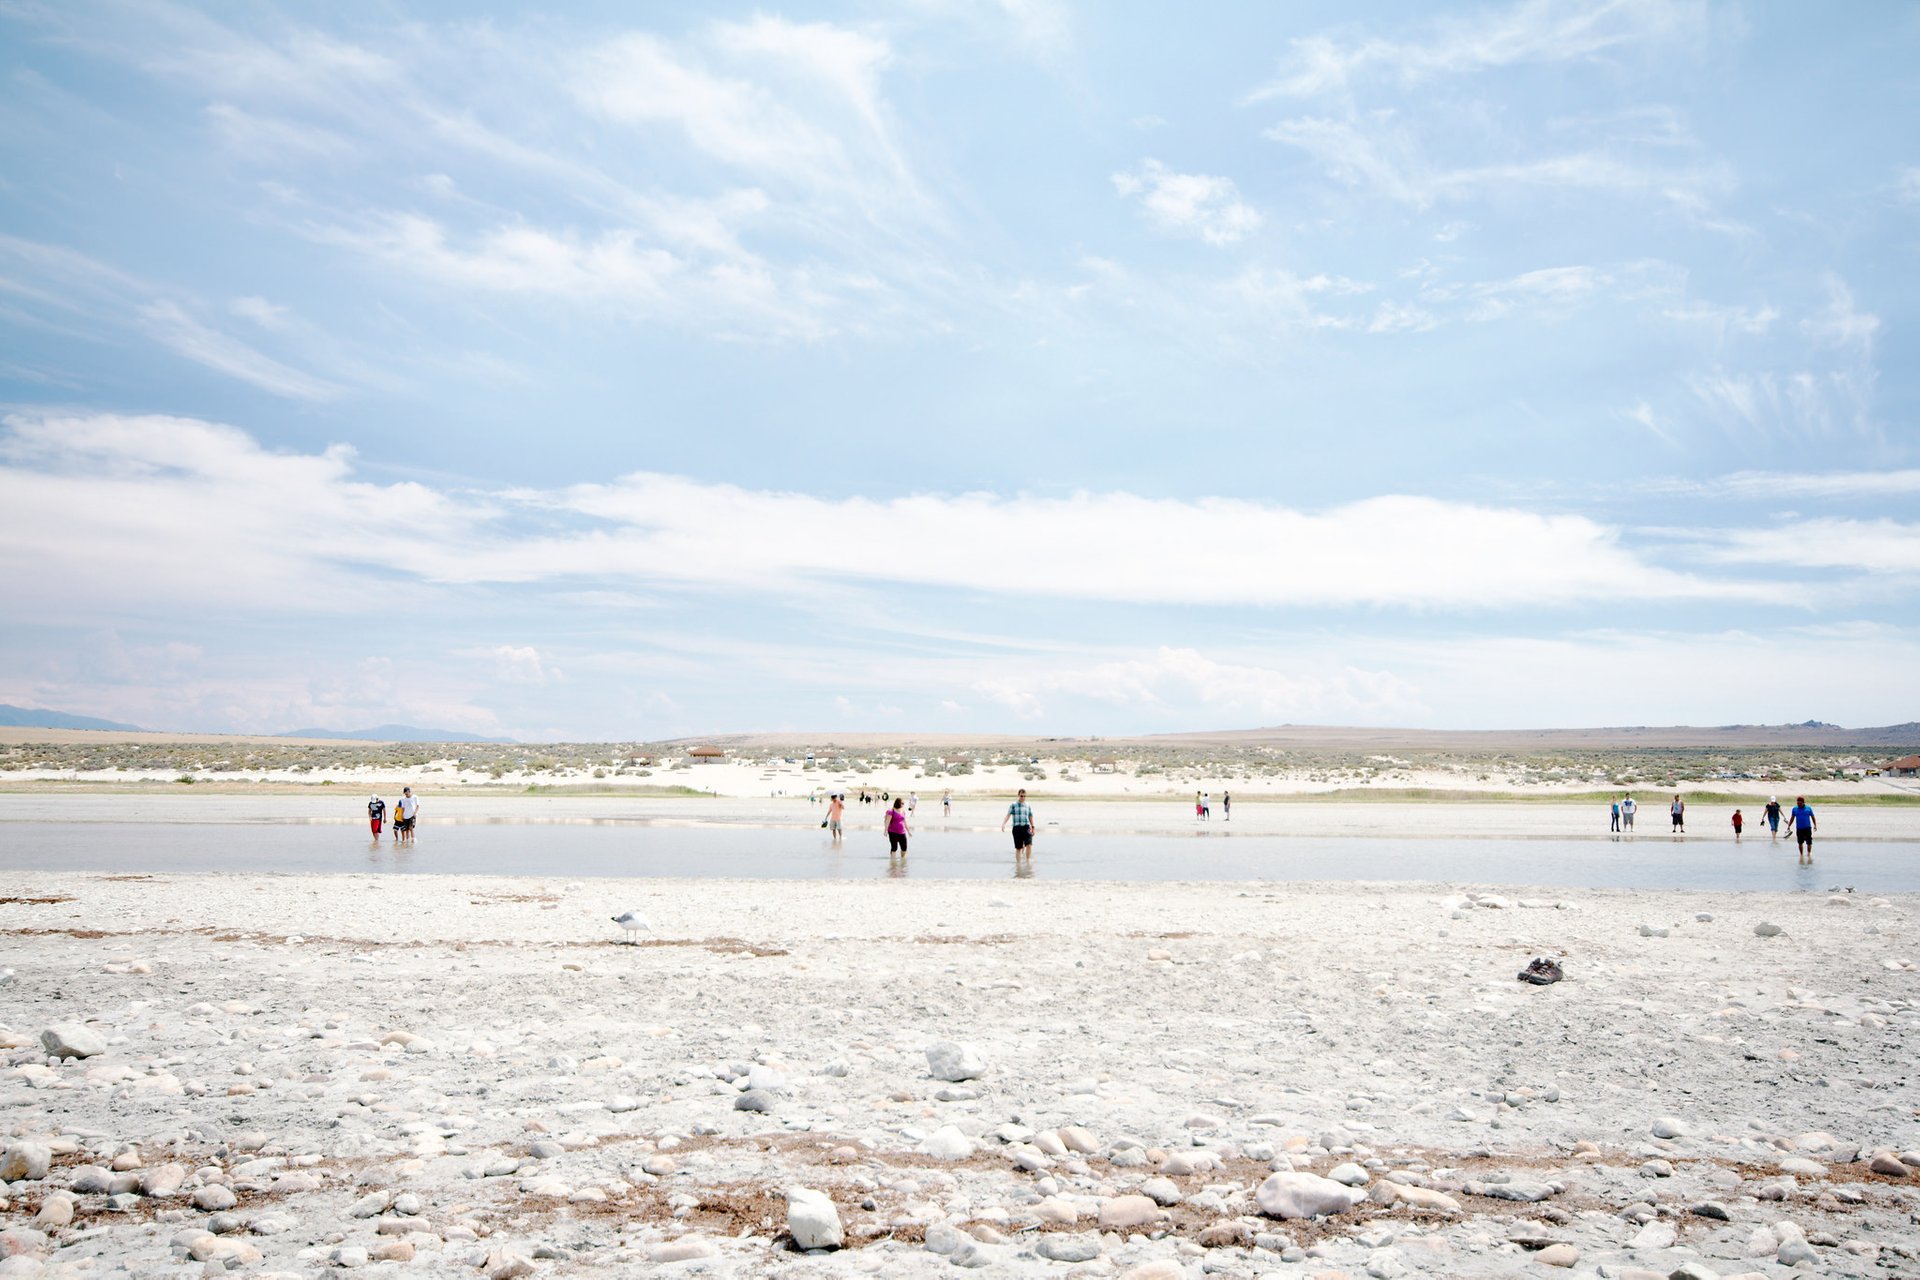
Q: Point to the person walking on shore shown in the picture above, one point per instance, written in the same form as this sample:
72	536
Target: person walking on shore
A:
1772	812
376	814
897	829
1627	808
1226	806
1616	817
1801	820
836	814
1738	822
1206	806
946	804
1021	816
1679	812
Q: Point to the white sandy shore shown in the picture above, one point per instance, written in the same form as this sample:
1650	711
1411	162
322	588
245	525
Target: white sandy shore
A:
318	1046
1485	820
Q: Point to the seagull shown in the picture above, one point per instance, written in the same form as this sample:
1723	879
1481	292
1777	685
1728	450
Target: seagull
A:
633	922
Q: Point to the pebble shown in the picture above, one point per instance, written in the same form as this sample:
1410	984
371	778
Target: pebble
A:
1350	1174
1304	1195
72	1040
25	1162
1802	1167
1068	1248
1123	1212
954	1062
1655	1235
948	1143
1764	930
812	1219
754	1100
1648	931
214	1198
1888	1164
392	1251
1079	1140
502	1264
55	1211
683	1249
1160	1269
1161	1191
1671	1127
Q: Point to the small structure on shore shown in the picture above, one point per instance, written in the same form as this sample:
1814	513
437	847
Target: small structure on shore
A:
707	755
1106	766
1904	767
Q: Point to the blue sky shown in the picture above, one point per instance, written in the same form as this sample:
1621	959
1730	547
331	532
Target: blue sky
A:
959	366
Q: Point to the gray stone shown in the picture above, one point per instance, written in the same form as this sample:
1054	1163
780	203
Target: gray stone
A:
214	1198
72	1040
754	1100
1068	1248
1764	930
1670	1127
949	1061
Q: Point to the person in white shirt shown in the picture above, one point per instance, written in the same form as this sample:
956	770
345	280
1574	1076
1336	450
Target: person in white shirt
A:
409	810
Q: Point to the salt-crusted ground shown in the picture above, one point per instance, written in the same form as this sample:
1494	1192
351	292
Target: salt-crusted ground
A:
470	1077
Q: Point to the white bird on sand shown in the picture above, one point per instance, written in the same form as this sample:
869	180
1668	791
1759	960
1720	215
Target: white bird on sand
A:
633	922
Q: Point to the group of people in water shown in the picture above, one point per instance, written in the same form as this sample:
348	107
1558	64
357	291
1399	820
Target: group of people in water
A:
406	810
1800	821
898	820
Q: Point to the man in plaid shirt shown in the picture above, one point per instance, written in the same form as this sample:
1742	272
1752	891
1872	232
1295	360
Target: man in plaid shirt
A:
1022	819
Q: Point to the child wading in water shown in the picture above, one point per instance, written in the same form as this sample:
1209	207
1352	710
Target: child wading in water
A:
1738	822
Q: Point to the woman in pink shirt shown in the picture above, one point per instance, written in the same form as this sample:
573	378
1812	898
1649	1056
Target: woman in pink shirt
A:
897	829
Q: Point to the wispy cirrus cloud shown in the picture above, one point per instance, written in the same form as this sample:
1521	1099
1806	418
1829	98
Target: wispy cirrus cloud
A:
1532	32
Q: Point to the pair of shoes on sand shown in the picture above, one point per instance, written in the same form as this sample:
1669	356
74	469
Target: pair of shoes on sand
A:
1542	973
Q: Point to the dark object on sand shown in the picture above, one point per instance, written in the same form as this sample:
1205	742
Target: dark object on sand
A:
1542	973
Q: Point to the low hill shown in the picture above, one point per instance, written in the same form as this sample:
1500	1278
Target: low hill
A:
41	718
391	733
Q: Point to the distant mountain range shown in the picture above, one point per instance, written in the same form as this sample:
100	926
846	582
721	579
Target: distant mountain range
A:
392	733
41	718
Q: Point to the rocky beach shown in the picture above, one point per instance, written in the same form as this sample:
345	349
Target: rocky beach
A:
468	1077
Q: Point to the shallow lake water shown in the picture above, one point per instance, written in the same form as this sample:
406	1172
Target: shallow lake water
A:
634	849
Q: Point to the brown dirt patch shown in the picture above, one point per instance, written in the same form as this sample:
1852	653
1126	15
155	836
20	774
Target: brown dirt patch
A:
33	902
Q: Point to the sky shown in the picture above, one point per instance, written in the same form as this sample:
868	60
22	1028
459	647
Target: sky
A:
614	372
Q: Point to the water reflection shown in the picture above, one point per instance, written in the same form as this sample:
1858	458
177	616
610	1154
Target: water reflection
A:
569	849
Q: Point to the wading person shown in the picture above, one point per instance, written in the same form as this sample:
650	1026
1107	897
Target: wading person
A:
897	830
376	814
1801	820
1021	817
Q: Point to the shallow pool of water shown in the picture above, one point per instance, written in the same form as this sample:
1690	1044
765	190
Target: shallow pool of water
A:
805	853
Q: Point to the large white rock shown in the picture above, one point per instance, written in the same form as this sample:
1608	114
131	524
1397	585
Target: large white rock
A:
72	1040
1670	1127
812	1219
950	1061
25	1162
948	1143
1305	1195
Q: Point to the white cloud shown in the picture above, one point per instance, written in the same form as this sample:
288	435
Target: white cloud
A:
1643	414
1535	31
267	315
516	663
1400	317
1198	689
1191	204
1868	546
1840	323
1798	486
264	139
164	508
185	336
